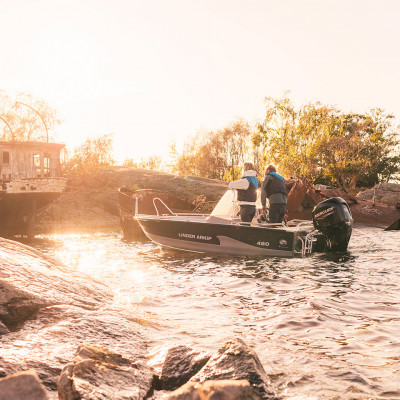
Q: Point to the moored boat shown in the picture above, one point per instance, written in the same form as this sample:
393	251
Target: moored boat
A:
30	179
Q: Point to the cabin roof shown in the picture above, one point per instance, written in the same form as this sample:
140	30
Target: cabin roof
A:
33	144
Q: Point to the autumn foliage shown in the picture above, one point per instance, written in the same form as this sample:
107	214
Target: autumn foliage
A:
315	141
90	158
215	154
328	146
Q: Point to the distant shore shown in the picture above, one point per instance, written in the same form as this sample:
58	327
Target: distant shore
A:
91	210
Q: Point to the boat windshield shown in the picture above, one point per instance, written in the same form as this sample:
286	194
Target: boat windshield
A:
227	207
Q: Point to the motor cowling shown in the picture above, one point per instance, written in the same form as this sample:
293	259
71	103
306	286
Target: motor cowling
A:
332	217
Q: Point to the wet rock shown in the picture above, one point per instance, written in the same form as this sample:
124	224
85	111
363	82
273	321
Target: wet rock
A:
235	360
22	386
221	390
180	364
97	373
47	343
29	282
47	310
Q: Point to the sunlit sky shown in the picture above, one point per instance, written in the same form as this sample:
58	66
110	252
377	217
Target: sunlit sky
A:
153	72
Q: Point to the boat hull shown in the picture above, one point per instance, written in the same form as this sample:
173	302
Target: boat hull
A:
233	239
22	199
18	211
131	229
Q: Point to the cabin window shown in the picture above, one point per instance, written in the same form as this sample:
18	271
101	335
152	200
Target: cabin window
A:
6	157
46	165
36	160
36	165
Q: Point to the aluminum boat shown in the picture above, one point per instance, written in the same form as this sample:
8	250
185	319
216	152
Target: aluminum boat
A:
223	232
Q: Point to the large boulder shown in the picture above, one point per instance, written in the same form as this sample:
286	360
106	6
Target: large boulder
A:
385	193
22	386
180	364
97	373
235	360
83	209
186	188
29	281
48	309
212	390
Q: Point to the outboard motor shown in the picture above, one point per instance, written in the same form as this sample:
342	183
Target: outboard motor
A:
332	217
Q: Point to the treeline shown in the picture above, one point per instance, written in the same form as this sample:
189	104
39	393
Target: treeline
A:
314	141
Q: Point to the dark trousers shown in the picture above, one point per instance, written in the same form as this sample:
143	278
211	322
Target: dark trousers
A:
277	212
247	213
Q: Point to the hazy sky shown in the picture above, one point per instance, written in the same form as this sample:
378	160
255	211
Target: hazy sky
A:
156	71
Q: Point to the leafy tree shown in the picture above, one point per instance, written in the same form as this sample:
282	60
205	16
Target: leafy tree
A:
130	162
211	154
324	145
27	118
290	138
172	165
359	152
91	157
152	162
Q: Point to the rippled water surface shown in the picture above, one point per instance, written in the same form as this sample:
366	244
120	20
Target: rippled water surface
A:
324	327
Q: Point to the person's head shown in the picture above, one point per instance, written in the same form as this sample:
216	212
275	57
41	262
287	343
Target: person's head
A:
247	166
270	168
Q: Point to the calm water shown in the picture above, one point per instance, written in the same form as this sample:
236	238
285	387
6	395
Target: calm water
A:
324	327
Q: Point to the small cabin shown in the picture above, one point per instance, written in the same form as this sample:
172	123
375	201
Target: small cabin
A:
30	160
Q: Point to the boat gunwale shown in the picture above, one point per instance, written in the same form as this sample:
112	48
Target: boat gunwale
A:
302	225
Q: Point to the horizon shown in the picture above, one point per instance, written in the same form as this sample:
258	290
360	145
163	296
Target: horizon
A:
153	73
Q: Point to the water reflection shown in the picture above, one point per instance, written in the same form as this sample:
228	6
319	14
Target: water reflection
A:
326	325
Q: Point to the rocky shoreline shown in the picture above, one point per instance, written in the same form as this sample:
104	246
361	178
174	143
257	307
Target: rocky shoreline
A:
62	338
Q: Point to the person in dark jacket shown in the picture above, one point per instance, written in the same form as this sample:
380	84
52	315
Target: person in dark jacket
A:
273	188
246	192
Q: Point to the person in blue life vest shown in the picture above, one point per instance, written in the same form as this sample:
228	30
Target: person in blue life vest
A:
246	192
273	188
